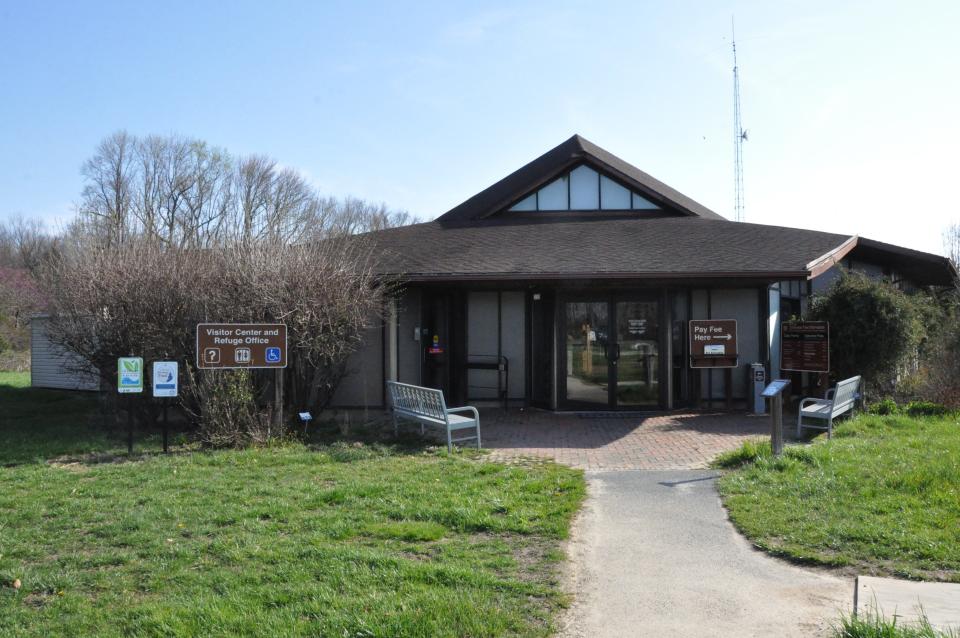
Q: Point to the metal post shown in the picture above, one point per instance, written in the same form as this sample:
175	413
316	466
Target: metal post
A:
278	400
728	387
166	449
130	426
776	432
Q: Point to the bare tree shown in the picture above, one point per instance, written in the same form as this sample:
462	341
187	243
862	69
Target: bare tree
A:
951	242
25	243
187	193
108	194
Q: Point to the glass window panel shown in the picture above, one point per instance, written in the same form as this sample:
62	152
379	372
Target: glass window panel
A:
641	203
553	196
613	196
584	189
528	203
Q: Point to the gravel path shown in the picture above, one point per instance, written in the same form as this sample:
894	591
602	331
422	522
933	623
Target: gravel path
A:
653	554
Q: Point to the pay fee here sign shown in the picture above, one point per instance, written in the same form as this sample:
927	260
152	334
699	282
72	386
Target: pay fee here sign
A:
241	345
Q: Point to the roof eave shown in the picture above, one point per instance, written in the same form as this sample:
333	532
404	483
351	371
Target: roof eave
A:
554	276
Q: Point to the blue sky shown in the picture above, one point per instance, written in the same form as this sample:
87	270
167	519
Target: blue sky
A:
852	107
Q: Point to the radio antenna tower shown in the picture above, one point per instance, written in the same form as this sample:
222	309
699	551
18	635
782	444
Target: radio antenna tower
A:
739	135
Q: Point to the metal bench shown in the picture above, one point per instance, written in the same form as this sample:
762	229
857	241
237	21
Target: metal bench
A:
838	401
426	406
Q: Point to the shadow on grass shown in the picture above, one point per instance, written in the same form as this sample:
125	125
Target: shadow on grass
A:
67	428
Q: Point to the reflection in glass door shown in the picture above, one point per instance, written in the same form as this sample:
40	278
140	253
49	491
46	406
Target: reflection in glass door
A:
588	371
612	354
636	353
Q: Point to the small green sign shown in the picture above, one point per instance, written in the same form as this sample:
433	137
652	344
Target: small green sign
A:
129	374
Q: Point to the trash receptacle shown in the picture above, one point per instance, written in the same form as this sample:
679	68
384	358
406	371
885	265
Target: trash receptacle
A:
758	378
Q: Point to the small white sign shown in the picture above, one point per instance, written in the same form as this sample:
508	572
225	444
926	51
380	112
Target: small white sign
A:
165	378
714	349
305	416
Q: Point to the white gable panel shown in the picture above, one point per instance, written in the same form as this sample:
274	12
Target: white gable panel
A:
642	203
584	190
613	196
528	203
553	196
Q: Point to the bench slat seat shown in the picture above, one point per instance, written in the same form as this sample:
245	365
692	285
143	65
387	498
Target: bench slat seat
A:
428	407
838	401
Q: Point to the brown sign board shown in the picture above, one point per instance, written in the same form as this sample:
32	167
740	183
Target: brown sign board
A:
241	345
713	343
805	346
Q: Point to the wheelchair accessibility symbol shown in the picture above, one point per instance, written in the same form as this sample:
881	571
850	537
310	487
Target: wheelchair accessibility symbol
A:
273	355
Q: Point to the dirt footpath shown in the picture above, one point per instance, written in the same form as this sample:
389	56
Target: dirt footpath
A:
653	554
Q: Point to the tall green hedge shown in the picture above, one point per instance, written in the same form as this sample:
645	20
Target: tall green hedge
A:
874	326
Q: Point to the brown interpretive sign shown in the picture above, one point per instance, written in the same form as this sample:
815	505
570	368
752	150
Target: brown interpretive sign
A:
713	343
805	346
241	345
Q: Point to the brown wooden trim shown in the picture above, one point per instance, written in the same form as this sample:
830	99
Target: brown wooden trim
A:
827	261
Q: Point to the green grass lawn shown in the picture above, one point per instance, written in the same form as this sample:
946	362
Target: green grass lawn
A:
37	424
883	497
342	540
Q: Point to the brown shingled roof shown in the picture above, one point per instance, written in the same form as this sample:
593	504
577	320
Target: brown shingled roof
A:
600	247
597	247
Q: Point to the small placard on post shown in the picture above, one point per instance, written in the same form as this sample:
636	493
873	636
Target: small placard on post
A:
774	392
165	378
129	375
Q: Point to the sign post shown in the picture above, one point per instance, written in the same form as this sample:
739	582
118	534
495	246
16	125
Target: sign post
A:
805	346
165	384
774	392
129	381
245	345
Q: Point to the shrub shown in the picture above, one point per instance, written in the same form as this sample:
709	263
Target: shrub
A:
874	327
940	380
884	407
230	416
926	408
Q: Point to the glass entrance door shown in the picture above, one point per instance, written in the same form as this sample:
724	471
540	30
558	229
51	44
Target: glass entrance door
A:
588	370
638	347
611	354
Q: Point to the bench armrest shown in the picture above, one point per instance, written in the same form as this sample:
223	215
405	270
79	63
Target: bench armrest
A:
811	401
466	408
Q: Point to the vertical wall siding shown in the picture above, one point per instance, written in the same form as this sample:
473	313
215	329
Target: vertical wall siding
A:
408	347
53	367
496	325
513	338
483	343
363	384
741	304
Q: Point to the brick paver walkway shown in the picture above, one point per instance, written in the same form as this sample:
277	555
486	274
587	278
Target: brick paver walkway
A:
615	442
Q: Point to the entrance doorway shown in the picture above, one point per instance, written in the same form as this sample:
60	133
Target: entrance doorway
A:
611	353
